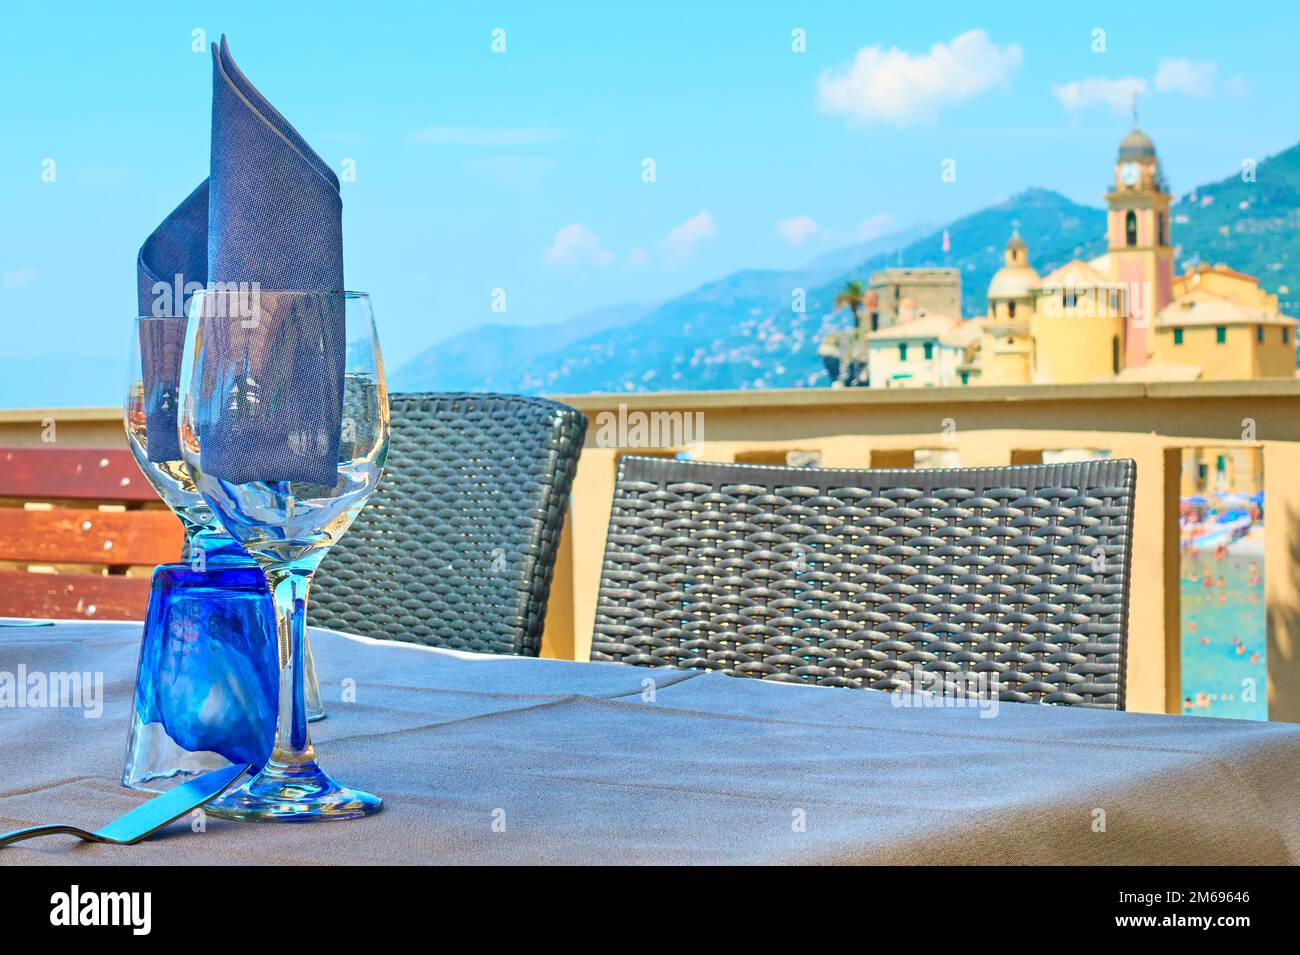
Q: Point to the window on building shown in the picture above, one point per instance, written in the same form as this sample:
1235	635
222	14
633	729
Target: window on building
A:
1285	334
1220	334
902	351
1114	354
1069	299
875	321
965	377
1178	336
1160	229
1131	228
1113	299
929	350
1011	309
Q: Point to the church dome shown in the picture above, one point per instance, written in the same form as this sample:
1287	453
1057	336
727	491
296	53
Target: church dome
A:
1016	276
1136	145
1012	281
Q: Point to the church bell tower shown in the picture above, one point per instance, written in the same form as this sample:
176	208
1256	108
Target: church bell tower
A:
1137	231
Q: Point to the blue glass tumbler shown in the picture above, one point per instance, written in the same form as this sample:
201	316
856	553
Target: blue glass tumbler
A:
206	684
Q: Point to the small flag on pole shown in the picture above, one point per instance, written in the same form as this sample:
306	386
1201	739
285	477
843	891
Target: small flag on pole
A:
947	245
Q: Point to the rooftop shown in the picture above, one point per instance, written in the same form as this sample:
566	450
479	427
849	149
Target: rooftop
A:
1074	274
932	325
1201	307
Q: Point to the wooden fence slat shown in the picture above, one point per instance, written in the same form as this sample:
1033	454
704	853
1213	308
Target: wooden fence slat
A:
73	596
49	474
77	533
74	536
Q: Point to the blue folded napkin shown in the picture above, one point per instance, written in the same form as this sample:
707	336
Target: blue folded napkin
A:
267	222
175	254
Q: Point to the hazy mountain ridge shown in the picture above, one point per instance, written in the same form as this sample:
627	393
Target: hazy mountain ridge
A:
483	358
850	256
743	331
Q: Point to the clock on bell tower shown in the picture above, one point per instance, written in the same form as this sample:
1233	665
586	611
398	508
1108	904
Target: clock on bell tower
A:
1137	230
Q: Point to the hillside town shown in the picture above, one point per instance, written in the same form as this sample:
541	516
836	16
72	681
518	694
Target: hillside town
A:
1123	316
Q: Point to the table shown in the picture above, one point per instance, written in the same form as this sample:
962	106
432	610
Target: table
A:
509	760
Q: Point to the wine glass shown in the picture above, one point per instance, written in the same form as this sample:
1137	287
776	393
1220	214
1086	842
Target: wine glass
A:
284	428
204	695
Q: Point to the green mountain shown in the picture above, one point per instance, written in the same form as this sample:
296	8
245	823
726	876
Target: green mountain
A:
1055	229
1251	226
743	331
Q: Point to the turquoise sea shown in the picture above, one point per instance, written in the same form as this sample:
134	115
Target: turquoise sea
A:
1223	635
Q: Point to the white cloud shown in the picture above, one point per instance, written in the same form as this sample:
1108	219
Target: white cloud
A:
485	136
575	246
1173	75
637	256
1183	76
873	227
895	86
21	277
797	229
682	239
1117	95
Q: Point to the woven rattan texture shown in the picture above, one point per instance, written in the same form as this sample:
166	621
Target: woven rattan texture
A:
457	546
857	578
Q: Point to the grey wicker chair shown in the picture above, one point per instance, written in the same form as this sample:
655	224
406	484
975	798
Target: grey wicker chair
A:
854	578
457	546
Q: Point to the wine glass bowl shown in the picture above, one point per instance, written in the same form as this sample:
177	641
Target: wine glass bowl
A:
152	396
284	428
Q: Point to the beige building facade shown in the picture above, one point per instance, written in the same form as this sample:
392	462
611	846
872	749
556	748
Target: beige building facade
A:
923	350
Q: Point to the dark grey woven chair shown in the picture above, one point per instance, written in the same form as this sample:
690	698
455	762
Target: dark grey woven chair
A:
457	546
854	578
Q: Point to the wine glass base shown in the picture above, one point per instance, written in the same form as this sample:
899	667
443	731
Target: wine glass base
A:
300	793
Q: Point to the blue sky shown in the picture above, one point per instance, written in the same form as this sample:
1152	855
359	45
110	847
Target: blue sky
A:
522	170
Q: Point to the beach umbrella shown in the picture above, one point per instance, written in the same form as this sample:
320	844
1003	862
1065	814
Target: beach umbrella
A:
1233	500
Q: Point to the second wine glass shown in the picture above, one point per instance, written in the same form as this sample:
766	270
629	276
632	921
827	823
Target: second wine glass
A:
284	428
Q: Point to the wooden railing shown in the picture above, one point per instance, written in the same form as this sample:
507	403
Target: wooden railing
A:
80	530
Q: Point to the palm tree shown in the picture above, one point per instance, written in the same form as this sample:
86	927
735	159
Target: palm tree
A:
853	297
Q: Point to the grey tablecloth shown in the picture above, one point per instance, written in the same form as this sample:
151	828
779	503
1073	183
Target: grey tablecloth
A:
502	760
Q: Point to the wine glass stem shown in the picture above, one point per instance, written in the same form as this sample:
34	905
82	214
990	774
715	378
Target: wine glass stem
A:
192	540
289	586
